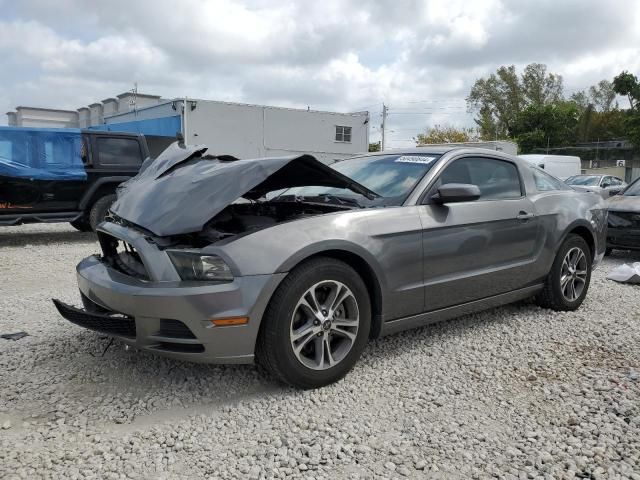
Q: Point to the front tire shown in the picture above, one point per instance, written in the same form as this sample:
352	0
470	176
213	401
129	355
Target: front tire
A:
316	325
81	224
568	281
99	210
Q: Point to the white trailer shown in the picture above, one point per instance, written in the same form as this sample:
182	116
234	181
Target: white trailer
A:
561	166
254	131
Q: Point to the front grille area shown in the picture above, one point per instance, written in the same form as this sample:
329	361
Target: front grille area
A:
624	220
122	256
174	329
110	324
180	347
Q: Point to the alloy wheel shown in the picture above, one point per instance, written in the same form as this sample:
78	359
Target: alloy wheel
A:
324	325
573	275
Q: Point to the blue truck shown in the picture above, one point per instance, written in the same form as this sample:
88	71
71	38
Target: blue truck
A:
67	175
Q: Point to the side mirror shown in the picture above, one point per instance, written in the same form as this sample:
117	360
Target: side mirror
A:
456	192
614	192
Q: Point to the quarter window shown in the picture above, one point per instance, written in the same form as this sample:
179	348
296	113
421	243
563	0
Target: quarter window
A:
119	151
343	134
496	179
545	182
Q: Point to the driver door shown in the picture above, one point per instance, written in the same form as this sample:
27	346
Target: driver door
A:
477	249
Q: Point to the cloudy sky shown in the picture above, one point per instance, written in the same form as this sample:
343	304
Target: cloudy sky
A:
419	57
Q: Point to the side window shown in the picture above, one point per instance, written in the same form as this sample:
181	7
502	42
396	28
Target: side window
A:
615	181
59	151
545	182
496	179
118	151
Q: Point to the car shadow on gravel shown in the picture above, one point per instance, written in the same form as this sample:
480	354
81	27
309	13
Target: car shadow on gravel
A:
16	239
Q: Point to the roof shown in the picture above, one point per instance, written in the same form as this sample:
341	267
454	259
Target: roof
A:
145	95
110	99
43	109
38	129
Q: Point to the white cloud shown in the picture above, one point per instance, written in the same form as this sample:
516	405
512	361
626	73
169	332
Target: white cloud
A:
333	54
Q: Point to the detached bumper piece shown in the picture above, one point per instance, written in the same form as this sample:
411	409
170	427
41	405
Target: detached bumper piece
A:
110	324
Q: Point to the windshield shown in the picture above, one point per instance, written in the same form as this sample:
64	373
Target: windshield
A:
633	190
590	180
392	177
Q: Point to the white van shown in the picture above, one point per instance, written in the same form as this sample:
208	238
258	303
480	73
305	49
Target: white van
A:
561	166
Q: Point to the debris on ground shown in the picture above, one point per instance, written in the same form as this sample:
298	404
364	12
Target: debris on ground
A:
626	273
14	336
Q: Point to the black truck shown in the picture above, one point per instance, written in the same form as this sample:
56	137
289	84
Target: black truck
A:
67	175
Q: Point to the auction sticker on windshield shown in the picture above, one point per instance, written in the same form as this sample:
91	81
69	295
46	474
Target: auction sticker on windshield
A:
414	159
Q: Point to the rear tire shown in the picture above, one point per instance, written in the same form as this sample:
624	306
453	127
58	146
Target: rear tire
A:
81	224
99	210
568	281
308	339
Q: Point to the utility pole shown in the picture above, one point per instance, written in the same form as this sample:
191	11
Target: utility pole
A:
384	122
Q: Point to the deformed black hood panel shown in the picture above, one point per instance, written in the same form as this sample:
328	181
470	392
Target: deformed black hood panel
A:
182	189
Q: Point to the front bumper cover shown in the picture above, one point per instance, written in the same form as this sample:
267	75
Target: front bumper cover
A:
151	306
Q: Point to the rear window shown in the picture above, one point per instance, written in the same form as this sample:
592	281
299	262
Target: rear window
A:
119	151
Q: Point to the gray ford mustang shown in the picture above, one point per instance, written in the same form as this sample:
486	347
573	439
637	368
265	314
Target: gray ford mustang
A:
297	264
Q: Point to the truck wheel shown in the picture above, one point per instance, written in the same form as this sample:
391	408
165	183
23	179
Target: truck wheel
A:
99	210
316	325
81	224
568	282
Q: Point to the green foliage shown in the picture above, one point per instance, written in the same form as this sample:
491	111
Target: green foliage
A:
551	124
446	134
532	109
627	84
374	147
501	97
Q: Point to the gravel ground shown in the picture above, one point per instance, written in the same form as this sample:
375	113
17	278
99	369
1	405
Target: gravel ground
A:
515	392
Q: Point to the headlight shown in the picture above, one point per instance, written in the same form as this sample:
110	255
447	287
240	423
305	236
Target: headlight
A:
195	266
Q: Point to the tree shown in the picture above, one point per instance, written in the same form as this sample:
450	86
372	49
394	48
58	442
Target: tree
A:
540	88
374	147
552	124
627	84
603	96
446	134
501	97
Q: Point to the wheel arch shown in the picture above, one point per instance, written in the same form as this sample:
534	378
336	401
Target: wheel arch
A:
366	268
100	188
586	232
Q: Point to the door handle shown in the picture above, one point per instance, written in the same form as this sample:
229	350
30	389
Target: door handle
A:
524	216
48	196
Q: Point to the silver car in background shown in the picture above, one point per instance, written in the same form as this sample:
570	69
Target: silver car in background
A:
603	185
297	265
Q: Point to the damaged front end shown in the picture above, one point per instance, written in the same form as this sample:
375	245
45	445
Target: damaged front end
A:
164	282
184	191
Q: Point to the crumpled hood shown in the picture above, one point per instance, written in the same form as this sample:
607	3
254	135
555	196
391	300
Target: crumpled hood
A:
182	189
620	203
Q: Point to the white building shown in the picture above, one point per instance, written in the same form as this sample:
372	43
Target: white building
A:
242	130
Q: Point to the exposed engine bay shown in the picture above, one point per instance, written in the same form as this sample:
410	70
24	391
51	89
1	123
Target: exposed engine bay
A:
244	218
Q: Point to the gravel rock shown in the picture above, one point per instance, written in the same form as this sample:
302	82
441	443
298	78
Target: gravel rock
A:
514	392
